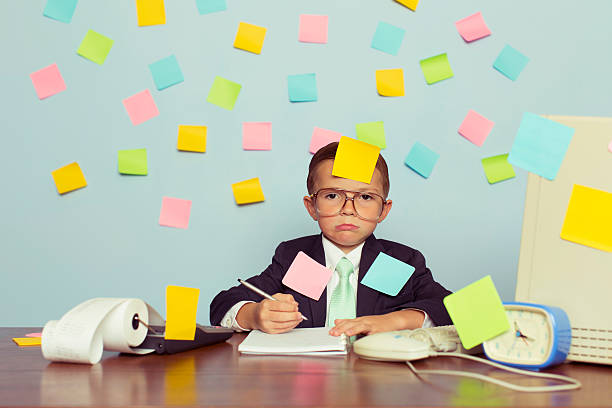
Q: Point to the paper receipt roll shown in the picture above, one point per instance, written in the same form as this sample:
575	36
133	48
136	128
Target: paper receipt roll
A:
99	324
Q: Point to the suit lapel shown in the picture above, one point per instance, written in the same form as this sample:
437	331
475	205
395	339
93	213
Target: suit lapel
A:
367	297
318	309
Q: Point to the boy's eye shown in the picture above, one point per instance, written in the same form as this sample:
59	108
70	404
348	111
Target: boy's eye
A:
365	197
331	196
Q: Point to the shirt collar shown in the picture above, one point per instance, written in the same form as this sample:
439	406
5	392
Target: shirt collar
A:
333	254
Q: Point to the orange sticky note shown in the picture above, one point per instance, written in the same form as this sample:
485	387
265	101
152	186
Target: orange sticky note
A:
27	341
191	138
355	160
250	37
588	220
150	12
248	191
411	4
390	82
181	312
69	178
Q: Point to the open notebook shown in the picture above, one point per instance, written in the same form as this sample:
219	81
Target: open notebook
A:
305	341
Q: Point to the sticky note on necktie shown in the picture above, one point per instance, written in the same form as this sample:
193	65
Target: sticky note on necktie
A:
69	178
390	82
411	4
421	159
436	68
372	133
302	88
510	62
140	107
313	28
132	162
477	312
388	38
355	160
497	168
475	127
150	12
181	312
211	6
60	10
48	81
307	276
387	274
95	47
27	341
257	136
473	27
588	219
250	37
248	191
166	72
224	93
191	138
175	212
323	137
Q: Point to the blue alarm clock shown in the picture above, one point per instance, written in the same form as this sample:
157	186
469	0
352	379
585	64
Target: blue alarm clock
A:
540	336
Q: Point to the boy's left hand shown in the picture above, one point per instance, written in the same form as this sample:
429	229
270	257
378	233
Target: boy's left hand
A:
399	320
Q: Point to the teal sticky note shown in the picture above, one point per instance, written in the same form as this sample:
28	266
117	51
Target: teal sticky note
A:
132	162
510	62
421	159
387	274
388	38
60	10
540	145
302	87
210	6
166	72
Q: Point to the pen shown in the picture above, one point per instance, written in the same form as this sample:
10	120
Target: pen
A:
261	292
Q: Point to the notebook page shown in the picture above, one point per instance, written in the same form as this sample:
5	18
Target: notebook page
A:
303	340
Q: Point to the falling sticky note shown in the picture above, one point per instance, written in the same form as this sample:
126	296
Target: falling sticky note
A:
436	68
132	162
355	160
387	274
388	38
47	81
210	6
307	276
540	145
150	12
588	219
313	28
181	312
69	178
473	27
411	4
250	37
166	72
322	137
257	136
60	10
477	312
421	159
175	212
475	127
497	168
140	107
36	334
302	87
372	133
248	191
192	138
224	93
390	82
95	47
510	62
27	341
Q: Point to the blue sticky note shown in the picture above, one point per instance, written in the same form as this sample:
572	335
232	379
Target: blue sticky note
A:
60	10
302	88
211	6
510	62
540	145
387	274
166	72
388	38
421	159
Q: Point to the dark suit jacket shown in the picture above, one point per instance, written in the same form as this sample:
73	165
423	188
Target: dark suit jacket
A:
420	292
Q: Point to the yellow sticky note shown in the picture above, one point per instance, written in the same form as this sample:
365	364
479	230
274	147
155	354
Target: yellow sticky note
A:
181	311
355	160
68	178
390	82
27	341
192	138
150	12
411	4
588	220
250	37
248	191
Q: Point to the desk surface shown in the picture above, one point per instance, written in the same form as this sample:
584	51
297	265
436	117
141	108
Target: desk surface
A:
218	376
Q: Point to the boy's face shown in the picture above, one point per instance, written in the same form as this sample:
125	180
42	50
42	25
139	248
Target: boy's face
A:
347	230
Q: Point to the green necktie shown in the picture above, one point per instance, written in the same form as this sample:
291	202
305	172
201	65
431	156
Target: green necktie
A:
342	303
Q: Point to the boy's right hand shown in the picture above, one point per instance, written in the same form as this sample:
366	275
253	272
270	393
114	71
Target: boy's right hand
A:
271	316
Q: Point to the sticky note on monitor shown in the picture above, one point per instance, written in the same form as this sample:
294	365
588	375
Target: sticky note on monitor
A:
588	219
390	82
191	138
355	160
302	87
140	107
476	127
69	178
477	312
150	12
307	276
181	312
473	27
47	81
175	212
60	10
250	37
322	137
388	38
436	68
387	274
224	93
248	191
313	28
166	72
257	135
497	168
133	162
95	47
421	159
510	62
211	6
411	4
372	133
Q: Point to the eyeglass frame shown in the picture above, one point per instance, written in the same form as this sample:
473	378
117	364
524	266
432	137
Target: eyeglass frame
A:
347	198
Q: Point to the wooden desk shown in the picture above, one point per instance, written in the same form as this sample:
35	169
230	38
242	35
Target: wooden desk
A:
218	376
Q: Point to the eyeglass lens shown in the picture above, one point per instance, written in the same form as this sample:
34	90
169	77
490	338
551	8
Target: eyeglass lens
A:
331	201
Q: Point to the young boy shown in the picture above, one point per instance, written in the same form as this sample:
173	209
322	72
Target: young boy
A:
347	212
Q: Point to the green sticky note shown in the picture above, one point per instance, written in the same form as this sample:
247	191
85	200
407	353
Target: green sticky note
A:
133	162
497	168
477	312
436	68
372	133
224	93
95	47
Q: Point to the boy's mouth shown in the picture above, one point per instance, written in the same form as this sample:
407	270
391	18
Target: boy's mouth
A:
346	227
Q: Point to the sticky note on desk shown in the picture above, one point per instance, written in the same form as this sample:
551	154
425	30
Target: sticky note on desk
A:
181	311
477	312
132	162
224	93
355	160
588	219
387	274
473	27
250	37
27	341
95	47
372	133
47	81
248	191
510	62
69	178
150	12
497	168
388	38
60	10
307	276
436	68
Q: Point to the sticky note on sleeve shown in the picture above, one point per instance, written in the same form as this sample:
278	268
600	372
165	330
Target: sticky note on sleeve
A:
69	178
181	311
387	274
307	276
355	160
248	191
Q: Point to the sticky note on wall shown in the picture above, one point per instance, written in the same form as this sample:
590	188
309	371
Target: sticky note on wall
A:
166	72
150	12
60	10
95	47
69	178
390	82
476	127
175	212
140	107
211	6
322	137
250	37
588	219
388	38
473	27
372	133
192	138
355	160
257	136
224	93
421	159
411	4
47	81
181	312
497	168
132	162
248	191
510	62
313	28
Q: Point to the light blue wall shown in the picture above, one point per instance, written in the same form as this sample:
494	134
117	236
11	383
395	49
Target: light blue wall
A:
104	240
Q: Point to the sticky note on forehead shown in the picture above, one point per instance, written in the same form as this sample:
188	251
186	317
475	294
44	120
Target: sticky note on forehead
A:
307	276
355	160
181	311
477	312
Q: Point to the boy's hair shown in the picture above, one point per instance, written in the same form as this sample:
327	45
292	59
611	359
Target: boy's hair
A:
328	152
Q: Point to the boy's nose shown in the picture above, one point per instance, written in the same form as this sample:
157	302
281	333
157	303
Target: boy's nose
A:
348	209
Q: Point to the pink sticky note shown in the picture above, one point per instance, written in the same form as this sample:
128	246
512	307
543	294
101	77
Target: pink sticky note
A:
323	137
175	212
307	276
475	128
34	335
473	27
313	28
140	107
257	136
610	146
48	81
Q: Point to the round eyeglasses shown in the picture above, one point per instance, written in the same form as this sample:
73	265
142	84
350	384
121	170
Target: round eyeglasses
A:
331	201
